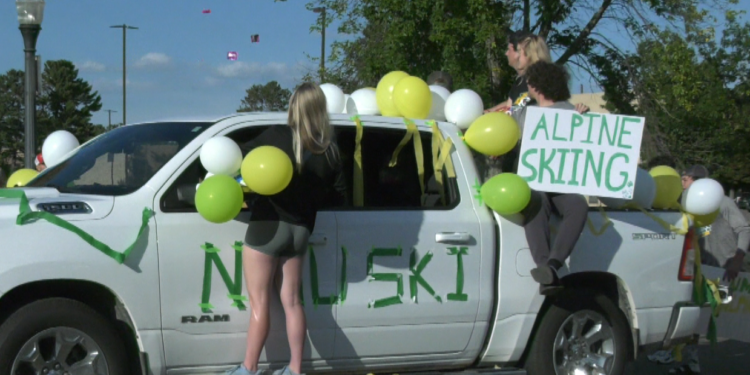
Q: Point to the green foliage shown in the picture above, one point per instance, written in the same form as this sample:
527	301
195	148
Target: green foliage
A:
693	91
268	97
66	102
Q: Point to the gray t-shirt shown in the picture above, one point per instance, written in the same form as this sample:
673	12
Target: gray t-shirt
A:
727	235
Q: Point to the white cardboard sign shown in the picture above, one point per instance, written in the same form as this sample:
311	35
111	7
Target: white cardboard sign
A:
592	154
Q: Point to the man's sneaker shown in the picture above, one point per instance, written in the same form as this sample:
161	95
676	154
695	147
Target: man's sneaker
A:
662	357
241	370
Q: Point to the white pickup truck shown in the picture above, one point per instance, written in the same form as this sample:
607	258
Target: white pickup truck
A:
408	280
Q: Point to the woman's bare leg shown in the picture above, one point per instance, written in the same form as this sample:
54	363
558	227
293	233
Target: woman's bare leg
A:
296	325
259	272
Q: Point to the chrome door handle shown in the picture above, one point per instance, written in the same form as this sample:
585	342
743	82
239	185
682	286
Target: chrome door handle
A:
452	237
317	239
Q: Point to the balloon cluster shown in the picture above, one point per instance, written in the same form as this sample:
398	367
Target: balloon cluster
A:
400	95
661	187
266	170
57	147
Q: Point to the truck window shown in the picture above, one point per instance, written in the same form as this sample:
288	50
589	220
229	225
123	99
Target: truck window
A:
394	187
120	161
180	195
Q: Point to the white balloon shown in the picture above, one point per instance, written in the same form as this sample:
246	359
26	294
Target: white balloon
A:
463	107
439	95
334	97
346	103
363	102
58	146
645	189
221	155
703	197
643	194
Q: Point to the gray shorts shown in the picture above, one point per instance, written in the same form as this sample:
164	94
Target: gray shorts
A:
277	238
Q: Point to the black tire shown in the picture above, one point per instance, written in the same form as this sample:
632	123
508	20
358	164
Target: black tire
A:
543	359
61	315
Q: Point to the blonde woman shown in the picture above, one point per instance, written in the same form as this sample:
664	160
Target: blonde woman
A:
280	225
523	50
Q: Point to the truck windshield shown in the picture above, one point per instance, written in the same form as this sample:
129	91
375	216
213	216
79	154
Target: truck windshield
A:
120	161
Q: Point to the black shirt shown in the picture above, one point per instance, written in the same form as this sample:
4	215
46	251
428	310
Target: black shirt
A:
519	93
321	183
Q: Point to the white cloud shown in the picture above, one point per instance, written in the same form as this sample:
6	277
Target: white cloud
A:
90	66
241	69
153	59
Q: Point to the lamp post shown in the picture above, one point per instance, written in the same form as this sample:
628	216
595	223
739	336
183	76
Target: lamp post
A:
322	11
30	15
124	28
110	117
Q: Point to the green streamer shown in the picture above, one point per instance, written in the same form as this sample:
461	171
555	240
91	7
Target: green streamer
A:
459	253
478	189
416	276
333	298
387	277
26	216
233	286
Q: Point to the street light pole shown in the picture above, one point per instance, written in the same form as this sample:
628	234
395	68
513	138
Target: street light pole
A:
30	15
322	11
110	116
124	28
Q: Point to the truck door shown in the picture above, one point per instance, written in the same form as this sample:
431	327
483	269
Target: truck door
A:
205	311
412	262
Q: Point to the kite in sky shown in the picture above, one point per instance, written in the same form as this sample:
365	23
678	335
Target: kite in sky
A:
255	38
206	11
232	55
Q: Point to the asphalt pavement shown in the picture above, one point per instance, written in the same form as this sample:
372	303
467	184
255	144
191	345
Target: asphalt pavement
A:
727	357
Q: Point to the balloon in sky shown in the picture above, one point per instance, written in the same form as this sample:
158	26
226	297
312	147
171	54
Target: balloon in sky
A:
232	55
206	11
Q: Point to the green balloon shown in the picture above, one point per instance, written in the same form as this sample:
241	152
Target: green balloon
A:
506	193
219	199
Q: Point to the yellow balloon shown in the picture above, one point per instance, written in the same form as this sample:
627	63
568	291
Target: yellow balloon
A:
705	220
267	170
668	186
21	177
384	93
412	97
494	133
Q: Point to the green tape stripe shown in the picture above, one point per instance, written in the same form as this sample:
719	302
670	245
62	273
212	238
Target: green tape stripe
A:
459	253
206	296
25	216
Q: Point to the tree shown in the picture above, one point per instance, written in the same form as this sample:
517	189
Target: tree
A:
265	98
693	92
68	101
467	37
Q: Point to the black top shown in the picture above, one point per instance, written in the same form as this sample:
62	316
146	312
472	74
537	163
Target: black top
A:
519	93
321	183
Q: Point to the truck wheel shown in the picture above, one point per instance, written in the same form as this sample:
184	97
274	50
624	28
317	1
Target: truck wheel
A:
60	336
583	332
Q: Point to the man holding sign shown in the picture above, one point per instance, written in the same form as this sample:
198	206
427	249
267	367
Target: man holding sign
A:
548	86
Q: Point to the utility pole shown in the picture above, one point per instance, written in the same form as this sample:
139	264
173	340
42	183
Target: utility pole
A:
110	116
322	11
124	28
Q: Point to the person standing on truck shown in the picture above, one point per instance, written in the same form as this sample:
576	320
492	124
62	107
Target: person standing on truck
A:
724	244
442	79
280	225
548	87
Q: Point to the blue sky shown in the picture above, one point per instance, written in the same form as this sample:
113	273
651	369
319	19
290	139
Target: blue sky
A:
177	65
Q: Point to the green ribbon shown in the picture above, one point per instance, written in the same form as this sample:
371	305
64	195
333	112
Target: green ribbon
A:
416	276
388	277
459	253
234	286
26	216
